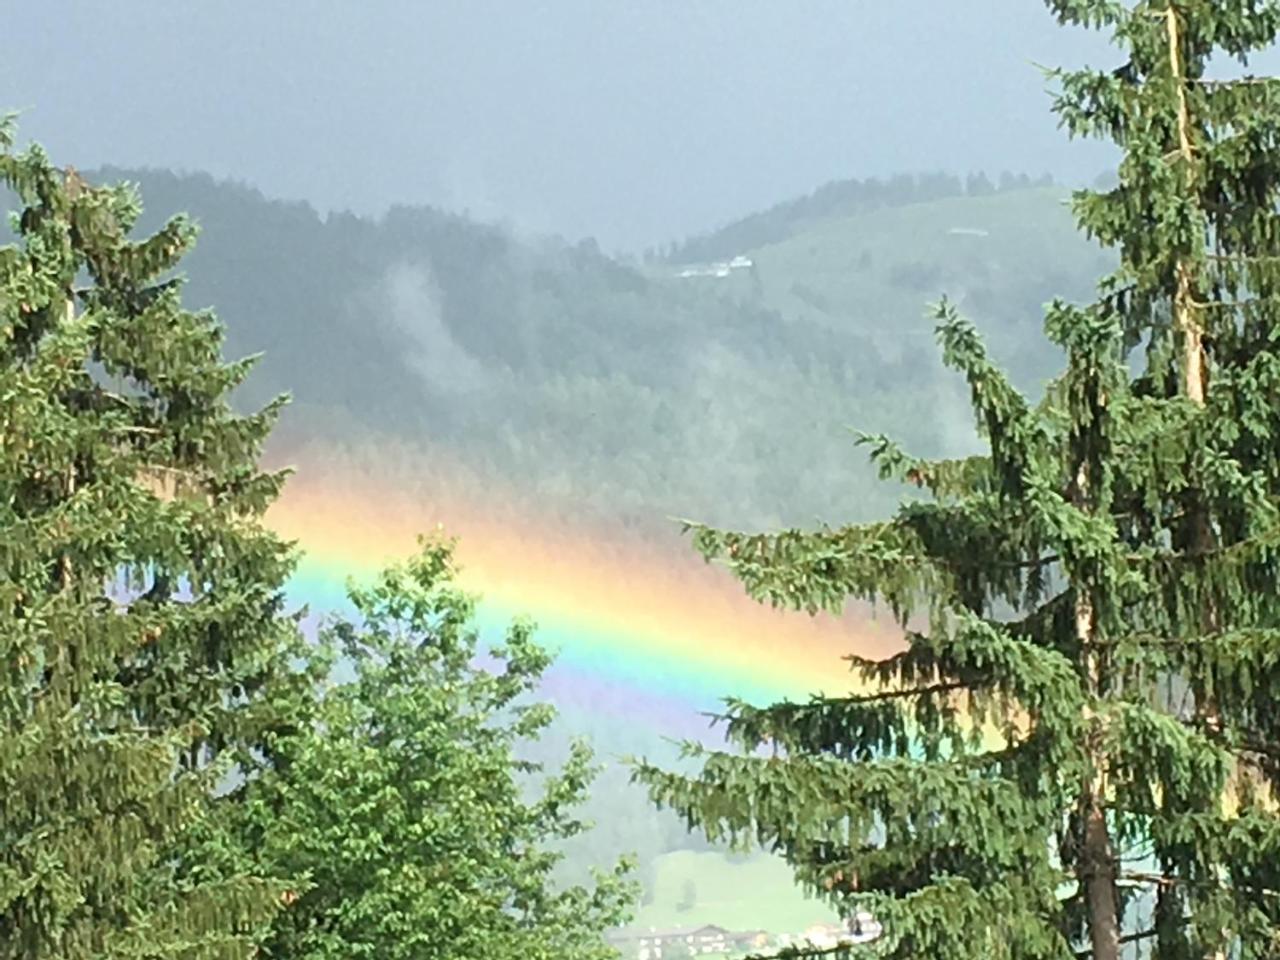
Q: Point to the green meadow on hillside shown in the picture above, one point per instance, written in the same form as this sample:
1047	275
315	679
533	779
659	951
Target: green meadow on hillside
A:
1000	256
750	894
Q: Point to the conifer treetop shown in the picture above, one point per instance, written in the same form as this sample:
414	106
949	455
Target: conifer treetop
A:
141	614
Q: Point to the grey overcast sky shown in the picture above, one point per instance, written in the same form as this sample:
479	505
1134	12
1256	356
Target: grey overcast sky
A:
634	121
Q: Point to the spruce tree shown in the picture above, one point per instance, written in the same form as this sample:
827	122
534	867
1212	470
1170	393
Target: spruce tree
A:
140	597
1077	753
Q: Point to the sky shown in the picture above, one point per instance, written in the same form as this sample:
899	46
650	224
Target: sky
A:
634	122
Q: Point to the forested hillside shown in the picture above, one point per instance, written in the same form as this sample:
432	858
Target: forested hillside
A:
625	389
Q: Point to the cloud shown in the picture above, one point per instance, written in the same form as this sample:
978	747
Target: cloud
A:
410	297
953	423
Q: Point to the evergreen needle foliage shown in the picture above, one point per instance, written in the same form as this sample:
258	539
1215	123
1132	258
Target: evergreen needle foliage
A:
140	597
1077	753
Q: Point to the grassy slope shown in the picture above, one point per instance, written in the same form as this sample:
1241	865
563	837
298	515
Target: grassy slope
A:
752	895
877	271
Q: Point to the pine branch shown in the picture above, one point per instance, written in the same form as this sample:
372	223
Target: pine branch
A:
1273	301
927	691
1233	82
1126	939
1214	733
797	953
834	703
1169	881
1243	258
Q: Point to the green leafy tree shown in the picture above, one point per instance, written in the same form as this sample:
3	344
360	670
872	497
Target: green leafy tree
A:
406	805
1076	753
139	594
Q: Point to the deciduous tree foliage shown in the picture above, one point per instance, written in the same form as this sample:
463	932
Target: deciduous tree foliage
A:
1078	751
405	803
140	597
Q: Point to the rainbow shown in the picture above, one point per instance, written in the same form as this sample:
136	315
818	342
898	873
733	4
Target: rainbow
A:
641	627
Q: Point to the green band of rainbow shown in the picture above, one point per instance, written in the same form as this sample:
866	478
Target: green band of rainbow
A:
629	620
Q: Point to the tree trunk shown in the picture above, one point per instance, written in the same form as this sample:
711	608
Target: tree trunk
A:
1184	306
1194	373
1100	883
1097	865
65	572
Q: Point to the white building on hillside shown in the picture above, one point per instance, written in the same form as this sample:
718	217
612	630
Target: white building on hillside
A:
722	269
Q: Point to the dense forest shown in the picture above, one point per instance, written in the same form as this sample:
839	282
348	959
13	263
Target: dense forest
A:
621	387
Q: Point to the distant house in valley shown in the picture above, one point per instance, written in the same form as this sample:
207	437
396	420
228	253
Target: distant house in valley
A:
718	269
861	928
679	942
